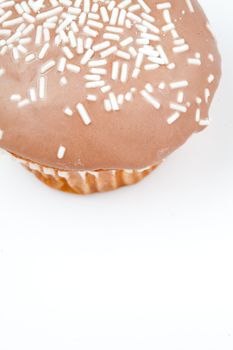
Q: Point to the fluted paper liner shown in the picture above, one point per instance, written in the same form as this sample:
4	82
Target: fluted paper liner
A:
86	182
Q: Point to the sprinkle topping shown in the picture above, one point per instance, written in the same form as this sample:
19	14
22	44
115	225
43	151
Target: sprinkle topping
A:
107	44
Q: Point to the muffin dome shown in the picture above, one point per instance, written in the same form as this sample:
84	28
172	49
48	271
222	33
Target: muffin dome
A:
87	85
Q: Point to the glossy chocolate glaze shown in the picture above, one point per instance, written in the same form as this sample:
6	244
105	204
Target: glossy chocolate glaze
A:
135	136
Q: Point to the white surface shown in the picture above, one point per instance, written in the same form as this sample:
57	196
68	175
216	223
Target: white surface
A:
145	267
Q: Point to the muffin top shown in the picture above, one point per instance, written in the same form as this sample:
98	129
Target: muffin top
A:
90	84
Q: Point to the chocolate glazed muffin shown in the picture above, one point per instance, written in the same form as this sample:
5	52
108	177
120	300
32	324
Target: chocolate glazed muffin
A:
95	94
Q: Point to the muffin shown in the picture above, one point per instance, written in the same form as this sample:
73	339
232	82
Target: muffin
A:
95	94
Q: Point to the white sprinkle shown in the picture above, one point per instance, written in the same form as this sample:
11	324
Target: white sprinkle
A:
30	58
95	24
190	6
86	6
162	54
64	24
144	6
94	84
151	37
32	94
73	42
135	73
198	115
39	31
90	32
147	17
73	68
15	54
180	49
126	41
22	49
101	46
115	70
87	56
69	54
207	95
61	64
178	107
91	97
173	118
150	99
151	27
123	4
179	84
5	16
111	5
114	17
139	60
211	57
121	18
49	13
210	78
83	113
100	71
82	19
134	17
25	7
113	101
2	72
25	41
13	22
128	96
1	134
68	111
88	43
97	63
204	122
43	51
123	54
46	33
24	103
13	38
107	105
132	51
48	65
5	32
108	51
92	77
111	36
120	99
61	152
63	81
114	29
29	18
105	88
149	88
168	27
15	97
28	29
180	97
19	9
104	14
80	48
42	87
194	61
124	72
128	23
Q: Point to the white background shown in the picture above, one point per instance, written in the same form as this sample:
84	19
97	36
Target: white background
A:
144	267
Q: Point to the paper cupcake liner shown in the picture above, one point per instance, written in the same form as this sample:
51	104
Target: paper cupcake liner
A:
85	182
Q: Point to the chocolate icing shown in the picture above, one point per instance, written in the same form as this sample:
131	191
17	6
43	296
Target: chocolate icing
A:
135	136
